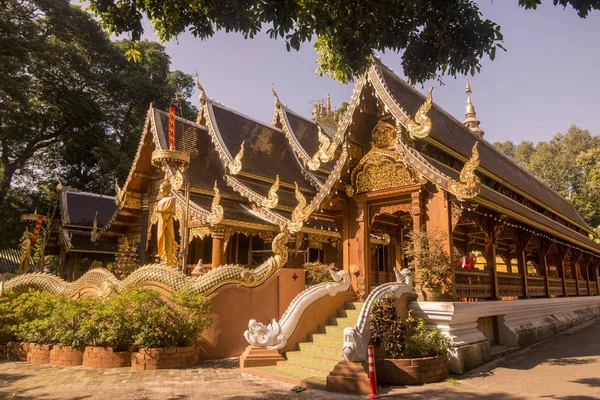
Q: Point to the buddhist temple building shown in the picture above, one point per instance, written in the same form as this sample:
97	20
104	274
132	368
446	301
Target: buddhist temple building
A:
345	189
73	219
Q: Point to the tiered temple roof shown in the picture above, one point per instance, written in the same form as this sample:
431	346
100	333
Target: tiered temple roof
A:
256	166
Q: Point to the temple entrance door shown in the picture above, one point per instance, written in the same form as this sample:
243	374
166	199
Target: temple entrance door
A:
388	234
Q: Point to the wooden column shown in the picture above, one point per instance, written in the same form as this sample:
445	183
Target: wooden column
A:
62	261
76	260
542	261
561	268
587	276
574	264
143	249
358	245
596	274
522	242
345	243
218	236
490	252
293	255
417	213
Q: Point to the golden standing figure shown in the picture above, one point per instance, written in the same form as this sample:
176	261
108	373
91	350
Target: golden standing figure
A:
167	246
25	253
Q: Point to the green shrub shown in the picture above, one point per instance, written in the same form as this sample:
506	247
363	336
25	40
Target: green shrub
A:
404	339
32	311
8	317
68	318
425	342
318	273
133	319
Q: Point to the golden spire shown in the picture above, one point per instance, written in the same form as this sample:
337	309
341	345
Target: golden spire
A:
471	120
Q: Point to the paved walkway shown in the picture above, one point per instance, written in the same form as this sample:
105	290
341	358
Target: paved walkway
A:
566	367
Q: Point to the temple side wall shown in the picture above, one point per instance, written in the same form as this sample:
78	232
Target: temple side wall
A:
514	323
233	306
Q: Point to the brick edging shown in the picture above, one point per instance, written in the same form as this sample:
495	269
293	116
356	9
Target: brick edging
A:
105	357
39	353
413	371
66	356
161	358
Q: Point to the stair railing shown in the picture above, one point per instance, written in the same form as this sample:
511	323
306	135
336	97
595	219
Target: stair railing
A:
275	335
356	338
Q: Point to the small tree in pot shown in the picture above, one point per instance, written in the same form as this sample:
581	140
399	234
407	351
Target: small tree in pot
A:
427	253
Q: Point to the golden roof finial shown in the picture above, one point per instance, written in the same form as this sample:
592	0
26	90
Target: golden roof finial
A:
277	102
202	96
328	103
471	120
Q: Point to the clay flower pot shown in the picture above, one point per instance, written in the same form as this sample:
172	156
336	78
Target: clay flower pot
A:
39	353
163	358
412	371
105	357
16	351
66	356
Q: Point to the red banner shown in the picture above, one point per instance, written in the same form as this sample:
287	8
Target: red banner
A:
36	232
171	128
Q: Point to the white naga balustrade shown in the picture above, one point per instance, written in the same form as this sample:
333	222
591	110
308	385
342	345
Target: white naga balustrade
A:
356	338
275	335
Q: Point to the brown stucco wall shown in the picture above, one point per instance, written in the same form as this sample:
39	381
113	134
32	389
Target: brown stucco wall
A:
232	307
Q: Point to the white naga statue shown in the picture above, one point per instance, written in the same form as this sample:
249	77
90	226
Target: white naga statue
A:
357	338
167	246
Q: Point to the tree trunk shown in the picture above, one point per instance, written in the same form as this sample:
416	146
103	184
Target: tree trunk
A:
6	175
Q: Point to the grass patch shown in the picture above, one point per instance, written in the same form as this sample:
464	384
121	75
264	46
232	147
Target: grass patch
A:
453	381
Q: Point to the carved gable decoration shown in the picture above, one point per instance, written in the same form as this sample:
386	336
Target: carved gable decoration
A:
379	170
384	135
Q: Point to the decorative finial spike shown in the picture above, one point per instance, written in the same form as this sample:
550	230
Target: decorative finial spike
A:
471	120
468	86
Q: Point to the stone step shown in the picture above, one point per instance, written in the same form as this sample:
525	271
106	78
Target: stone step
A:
313	349
302	356
354	305
297	377
324	339
332	331
341	322
313	365
351	314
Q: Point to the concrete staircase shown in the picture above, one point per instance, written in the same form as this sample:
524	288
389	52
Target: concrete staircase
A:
315	358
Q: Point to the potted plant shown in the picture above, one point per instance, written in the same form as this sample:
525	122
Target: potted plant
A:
165	332
108	332
317	273
67	319
409	352
427	254
34	328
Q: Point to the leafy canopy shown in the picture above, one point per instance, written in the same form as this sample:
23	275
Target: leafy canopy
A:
569	164
71	104
437	37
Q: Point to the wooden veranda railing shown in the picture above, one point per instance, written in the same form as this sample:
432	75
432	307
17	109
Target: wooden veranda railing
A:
474	284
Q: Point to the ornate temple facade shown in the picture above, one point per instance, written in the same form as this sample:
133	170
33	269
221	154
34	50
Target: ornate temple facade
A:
349	188
231	200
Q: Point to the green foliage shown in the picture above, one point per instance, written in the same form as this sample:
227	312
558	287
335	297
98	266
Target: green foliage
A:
318	273
72	104
404	339
133	319
426	251
569	163
423	341
67	320
8	317
434	37
32	312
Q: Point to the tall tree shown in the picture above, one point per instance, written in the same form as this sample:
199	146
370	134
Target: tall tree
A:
569	163
436	37
70	104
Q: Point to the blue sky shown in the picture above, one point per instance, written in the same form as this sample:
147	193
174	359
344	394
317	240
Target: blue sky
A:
546	81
